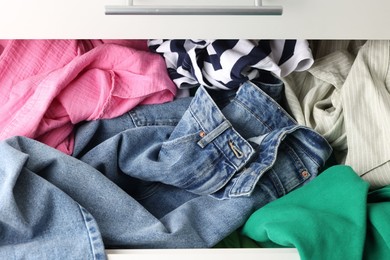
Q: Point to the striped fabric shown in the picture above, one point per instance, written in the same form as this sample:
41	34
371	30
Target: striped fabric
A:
321	48
345	96
226	64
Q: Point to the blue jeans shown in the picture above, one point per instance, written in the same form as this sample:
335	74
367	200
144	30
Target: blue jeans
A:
38	219
207	149
177	175
210	159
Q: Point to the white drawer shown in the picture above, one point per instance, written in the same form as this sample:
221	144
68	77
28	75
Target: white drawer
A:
305	19
205	254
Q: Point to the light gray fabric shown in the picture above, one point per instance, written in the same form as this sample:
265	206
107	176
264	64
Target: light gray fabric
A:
345	97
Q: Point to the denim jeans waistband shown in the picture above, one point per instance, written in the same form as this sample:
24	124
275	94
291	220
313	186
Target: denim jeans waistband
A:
293	153
238	143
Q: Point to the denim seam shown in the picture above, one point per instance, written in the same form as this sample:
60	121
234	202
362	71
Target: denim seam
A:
280	189
189	181
91	243
196	118
291	152
207	169
230	193
274	103
133	116
124	122
290	131
137	122
304	150
264	170
250	188
239	102
189	137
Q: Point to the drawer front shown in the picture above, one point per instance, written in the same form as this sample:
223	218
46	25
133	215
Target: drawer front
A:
204	254
306	19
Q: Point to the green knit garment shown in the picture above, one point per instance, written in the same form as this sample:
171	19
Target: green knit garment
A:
333	217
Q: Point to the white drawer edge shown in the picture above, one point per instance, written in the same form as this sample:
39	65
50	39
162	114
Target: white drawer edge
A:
204	254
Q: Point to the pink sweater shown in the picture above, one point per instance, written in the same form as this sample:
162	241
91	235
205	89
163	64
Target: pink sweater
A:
48	86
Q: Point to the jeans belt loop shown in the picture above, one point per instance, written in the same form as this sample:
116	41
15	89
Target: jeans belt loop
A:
209	137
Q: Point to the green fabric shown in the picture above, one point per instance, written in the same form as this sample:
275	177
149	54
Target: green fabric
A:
378	231
333	217
237	240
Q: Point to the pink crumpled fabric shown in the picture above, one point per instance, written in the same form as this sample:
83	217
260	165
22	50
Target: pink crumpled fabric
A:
48	86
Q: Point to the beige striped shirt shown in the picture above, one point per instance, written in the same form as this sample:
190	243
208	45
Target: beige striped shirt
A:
345	96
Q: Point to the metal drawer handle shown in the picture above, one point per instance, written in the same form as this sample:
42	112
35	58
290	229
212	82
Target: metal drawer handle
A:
256	9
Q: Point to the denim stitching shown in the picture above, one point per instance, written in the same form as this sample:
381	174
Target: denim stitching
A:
213	134
239	102
303	148
300	167
280	188
91	243
264	170
134	118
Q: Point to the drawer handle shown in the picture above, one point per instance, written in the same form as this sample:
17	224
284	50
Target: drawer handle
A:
256	9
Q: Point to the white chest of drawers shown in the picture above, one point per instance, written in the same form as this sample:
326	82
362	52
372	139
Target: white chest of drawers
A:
304	19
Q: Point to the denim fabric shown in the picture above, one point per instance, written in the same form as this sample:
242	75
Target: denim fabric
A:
184	174
207	149
202	164
42	189
37	219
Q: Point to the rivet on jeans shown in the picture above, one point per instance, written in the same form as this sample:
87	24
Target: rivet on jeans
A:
305	174
237	152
